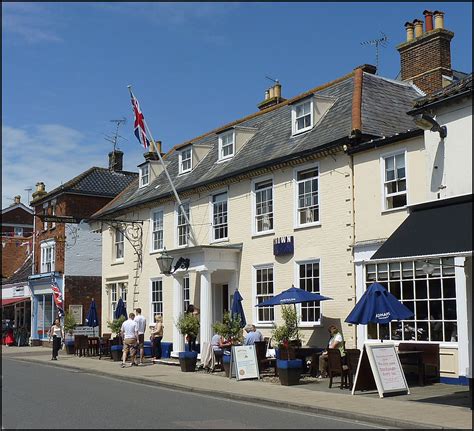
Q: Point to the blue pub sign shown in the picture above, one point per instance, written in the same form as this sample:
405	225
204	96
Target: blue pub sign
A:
283	245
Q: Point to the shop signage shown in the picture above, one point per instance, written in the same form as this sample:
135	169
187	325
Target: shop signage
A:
19	291
379	366
283	245
243	362
76	311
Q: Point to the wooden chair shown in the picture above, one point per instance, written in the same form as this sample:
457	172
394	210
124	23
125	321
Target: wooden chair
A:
262	360
352	358
335	368
104	345
81	345
93	346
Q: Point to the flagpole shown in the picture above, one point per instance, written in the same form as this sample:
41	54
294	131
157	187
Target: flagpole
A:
180	204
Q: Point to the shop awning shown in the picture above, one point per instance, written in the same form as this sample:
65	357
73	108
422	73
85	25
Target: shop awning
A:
11	301
442	227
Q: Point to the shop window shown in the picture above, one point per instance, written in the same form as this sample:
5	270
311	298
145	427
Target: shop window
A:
432	298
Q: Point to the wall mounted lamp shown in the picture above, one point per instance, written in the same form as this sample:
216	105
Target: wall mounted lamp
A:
427	122
165	262
428	268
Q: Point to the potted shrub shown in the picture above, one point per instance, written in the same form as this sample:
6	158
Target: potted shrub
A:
69	326
116	349
230	329
188	324
287	337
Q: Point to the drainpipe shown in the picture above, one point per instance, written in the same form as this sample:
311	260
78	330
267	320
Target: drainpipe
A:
354	278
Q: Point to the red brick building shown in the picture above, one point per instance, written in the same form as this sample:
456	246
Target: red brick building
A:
66	252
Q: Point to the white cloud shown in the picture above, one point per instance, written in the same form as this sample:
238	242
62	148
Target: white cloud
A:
50	153
29	22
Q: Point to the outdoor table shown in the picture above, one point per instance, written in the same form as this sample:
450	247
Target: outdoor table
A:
413	357
306	352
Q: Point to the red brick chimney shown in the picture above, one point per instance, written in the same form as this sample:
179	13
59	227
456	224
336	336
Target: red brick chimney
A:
426	56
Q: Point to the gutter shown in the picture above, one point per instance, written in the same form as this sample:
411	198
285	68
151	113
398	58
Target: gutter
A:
440	102
380	142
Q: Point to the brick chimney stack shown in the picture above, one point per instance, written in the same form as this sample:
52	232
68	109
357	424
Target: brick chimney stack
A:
272	97
17	199
40	191
116	160
426	55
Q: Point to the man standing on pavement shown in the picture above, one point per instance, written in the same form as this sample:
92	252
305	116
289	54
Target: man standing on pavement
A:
129	332
141	325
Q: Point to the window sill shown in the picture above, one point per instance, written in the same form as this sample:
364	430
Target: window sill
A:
217	241
184	173
392	210
309	325
301	132
160	250
308	225
263	325
225	160
118	262
259	234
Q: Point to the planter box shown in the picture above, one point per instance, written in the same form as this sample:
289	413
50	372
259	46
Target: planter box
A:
188	361
69	347
226	364
289	371
116	353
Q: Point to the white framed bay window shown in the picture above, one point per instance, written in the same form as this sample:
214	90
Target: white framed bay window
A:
432	299
48	256
264	289
262	192
394	180
307	195
156	224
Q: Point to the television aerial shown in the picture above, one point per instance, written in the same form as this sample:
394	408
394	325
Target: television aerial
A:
114	138
381	41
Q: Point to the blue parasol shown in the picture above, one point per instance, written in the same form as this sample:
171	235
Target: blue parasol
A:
120	310
92	318
237	308
293	295
377	305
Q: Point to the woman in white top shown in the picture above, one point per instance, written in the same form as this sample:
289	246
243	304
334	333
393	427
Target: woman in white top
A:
57	334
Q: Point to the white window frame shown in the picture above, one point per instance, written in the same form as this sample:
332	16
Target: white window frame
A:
152	302
17	231
153	231
294	118
416	321
254	205
144	174
53	212
186	160
45	212
211	212
114	295
255	268
221	157
305	167
116	243
384	195
296	283
48	256
177	226
186	292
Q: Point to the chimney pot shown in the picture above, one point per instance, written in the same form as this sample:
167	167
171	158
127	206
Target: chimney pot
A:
277	90
267	95
17	199
410	31
418	27
116	160
439	19
271	92
40	187
428	20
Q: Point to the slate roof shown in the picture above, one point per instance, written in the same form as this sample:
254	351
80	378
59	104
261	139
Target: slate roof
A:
95	181
464	86
384	106
22	273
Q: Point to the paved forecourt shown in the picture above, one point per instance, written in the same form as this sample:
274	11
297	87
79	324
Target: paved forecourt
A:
386	411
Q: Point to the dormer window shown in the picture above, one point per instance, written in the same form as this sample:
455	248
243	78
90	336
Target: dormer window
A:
185	160
144	172
302	117
226	145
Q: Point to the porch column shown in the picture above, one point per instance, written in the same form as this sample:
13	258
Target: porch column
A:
462	316
178	306
206	308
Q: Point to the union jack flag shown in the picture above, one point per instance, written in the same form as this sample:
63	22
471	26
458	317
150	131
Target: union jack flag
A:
139	125
58	297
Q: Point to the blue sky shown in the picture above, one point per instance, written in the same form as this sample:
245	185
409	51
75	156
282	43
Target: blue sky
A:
193	67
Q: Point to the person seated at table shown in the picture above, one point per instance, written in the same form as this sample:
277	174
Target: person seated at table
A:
252	335
335	342
220	345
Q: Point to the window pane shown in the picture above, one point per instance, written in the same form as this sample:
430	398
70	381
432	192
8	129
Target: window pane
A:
450	332
449	288
435	289
436	329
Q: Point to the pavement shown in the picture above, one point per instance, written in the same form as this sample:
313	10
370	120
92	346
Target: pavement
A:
421	409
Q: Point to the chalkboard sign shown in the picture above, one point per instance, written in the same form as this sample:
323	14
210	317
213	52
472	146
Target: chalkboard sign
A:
243	363
379	364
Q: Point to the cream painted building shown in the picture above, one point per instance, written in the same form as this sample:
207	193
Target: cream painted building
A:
280	175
